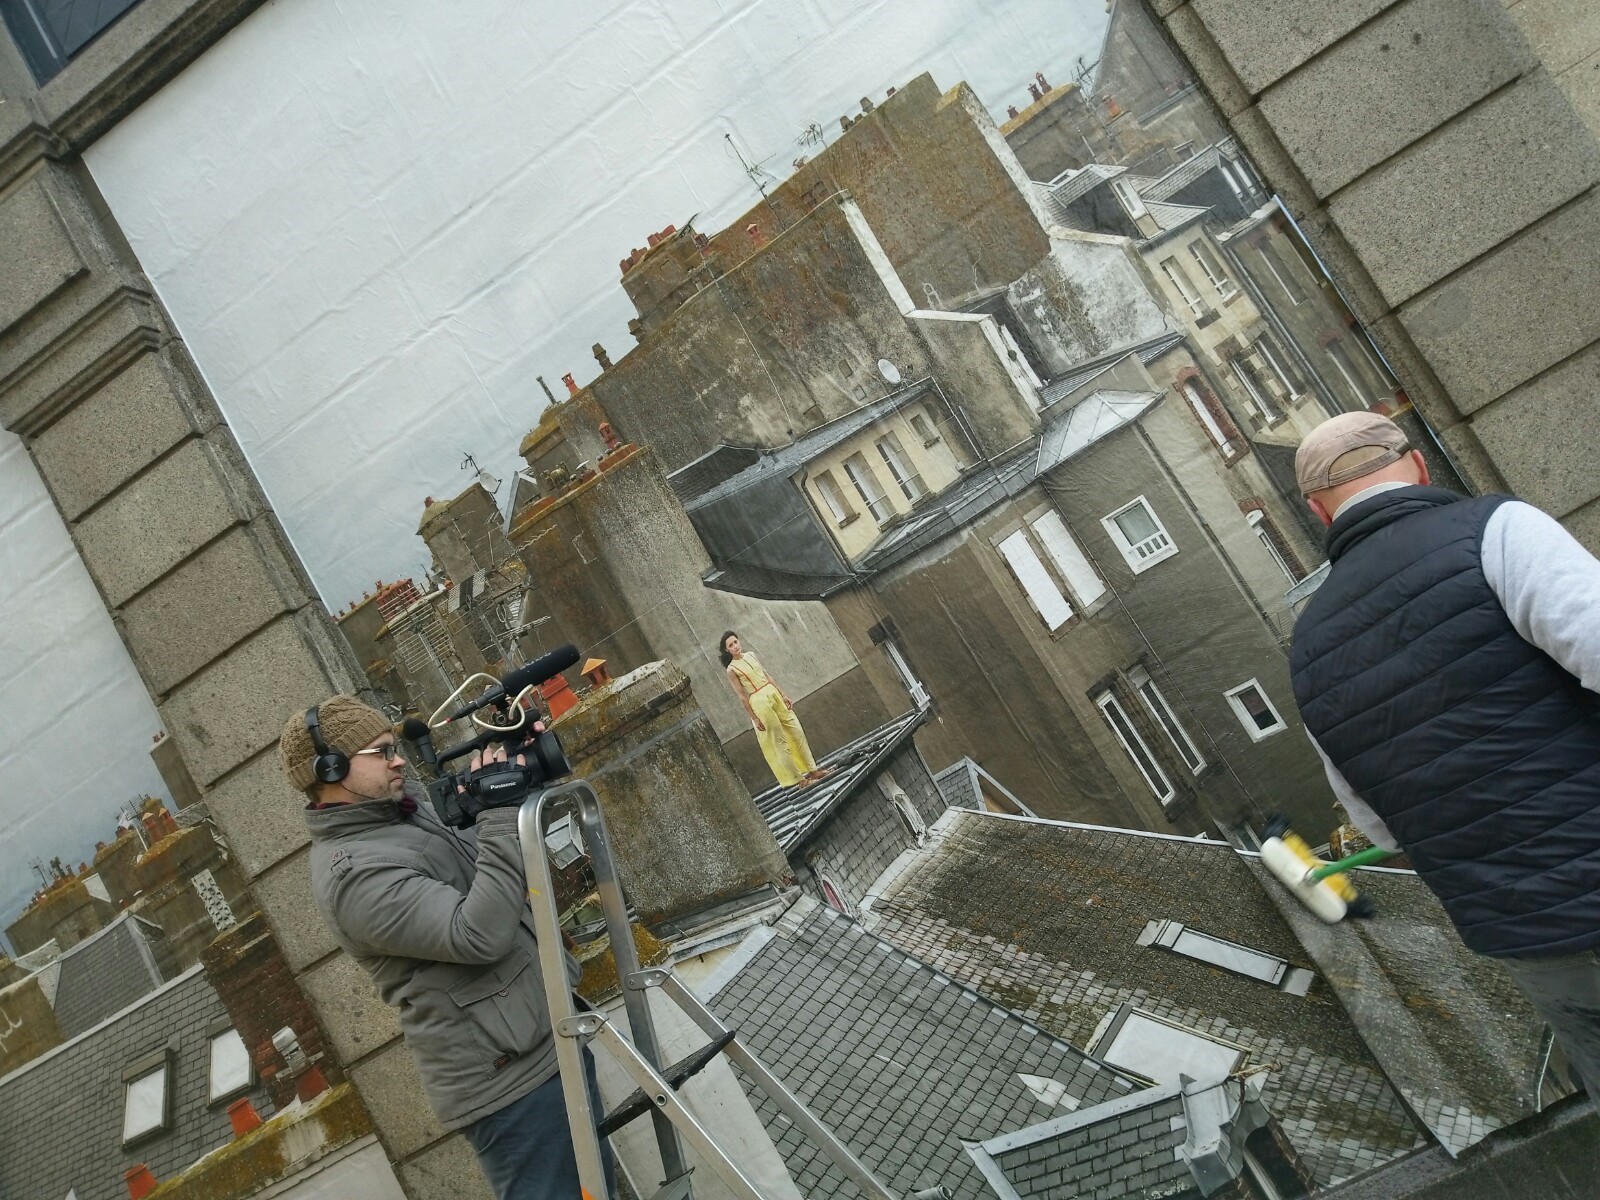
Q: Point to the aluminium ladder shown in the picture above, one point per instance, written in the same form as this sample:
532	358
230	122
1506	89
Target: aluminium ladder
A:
640	1057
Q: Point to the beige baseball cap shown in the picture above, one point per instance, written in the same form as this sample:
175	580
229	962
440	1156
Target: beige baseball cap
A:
1347	447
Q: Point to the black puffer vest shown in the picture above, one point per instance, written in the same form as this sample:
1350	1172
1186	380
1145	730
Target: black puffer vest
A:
1478	750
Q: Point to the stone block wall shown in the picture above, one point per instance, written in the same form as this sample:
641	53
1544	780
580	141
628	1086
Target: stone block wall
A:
207	594
1441	156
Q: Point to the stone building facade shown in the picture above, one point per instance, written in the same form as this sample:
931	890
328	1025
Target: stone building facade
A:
1441	157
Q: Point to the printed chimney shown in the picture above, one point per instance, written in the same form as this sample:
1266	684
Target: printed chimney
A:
259	991
685	833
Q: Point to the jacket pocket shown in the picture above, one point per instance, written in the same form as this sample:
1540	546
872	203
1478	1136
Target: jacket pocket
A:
503	1008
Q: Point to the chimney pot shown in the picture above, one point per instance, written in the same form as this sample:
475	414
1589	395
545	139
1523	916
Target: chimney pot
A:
572	388
844	124
1044	84
1011	111
601	357
866	104
310	1084
891	92
669	231
139	1180
243	1116
754	230
1033	90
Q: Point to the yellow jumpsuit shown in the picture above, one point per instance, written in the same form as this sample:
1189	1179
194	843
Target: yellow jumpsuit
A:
783	742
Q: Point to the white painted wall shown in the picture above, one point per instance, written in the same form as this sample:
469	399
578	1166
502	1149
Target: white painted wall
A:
376	222
75	721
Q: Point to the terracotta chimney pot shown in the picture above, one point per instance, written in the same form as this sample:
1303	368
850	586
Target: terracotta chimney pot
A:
244	1117
140	1181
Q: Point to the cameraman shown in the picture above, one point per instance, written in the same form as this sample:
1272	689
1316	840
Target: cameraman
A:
440	921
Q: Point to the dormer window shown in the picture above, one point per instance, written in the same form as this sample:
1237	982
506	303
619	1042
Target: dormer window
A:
1132	202
868	488
924	429
834	498
900	466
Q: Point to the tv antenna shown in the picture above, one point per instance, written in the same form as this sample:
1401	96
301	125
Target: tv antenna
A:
756	173
812	135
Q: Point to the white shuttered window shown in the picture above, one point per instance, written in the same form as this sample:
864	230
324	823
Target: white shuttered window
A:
1042	591
1069	559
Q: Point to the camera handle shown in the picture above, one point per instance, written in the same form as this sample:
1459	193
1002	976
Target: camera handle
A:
640	1058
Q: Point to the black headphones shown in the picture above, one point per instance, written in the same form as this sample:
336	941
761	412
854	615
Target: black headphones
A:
330	766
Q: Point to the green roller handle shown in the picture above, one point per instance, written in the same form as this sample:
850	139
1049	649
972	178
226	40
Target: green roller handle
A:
1361	858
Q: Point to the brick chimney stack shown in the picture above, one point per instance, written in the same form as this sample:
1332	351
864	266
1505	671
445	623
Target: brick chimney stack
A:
259	991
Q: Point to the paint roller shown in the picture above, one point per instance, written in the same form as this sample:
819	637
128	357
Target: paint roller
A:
1321	886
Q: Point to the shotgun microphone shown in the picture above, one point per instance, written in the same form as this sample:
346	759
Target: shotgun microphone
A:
545	667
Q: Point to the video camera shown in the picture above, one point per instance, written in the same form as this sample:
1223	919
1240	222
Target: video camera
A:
459	796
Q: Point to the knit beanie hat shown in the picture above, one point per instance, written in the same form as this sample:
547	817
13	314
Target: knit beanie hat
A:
347	725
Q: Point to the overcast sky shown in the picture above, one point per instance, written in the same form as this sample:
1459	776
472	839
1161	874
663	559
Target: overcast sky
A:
374	227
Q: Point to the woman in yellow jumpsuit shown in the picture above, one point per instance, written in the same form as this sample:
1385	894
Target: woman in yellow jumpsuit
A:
783	742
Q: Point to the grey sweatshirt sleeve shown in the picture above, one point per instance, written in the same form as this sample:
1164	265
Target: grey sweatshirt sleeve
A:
393	908
1361	816
1548	584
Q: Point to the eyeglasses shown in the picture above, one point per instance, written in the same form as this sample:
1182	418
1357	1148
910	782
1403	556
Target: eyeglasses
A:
389	750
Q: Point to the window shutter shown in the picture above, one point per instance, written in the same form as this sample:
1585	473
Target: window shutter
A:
1069	559
1045	597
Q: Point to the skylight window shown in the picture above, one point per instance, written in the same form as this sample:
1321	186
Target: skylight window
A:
1230	956
230	1071
1162	1050
146	1097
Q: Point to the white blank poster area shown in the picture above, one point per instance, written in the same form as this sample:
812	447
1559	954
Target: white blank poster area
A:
376	223
77	720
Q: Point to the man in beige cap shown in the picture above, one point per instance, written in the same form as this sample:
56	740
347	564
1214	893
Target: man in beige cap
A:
439	919
1447	671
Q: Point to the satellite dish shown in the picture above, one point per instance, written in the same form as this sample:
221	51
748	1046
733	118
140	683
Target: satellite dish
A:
888	370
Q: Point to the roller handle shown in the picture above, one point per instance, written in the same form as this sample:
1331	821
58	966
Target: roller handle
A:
1361	858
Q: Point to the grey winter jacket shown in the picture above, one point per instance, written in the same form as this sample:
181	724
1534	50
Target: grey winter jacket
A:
440	921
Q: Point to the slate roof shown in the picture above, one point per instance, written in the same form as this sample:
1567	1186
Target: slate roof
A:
61	1114
1081	373
1097	415
1181	176
769	583
1063	191
1124	1149
899	1060
1046	916
795	813
1172	217
966	499
105	973
704	473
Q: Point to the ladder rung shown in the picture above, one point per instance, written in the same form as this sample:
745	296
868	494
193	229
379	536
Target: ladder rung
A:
637	1103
